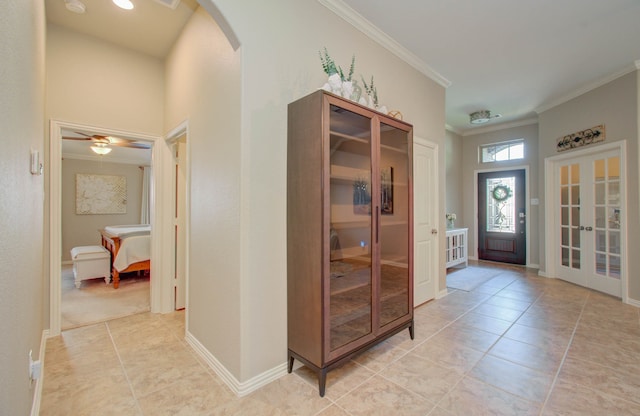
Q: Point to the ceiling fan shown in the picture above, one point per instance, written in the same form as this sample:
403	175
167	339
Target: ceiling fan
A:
101	144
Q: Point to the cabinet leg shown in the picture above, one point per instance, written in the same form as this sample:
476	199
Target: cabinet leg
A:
411	330
290	364
322	381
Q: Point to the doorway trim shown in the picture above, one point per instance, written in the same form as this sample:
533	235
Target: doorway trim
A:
551	201
527	204
159	290
172	137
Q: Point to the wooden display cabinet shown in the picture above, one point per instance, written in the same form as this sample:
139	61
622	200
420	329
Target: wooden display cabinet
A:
349	230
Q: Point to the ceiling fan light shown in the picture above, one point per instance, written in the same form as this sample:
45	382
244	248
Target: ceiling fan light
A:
101	149
124	4
481	117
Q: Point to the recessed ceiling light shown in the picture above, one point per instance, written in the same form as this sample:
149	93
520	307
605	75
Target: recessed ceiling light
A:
75	6
123	4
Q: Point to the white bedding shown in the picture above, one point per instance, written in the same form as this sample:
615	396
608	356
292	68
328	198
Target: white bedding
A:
135	244
132	250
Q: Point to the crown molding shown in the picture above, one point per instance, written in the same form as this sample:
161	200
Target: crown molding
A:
453	129
359	22
588	87
501	126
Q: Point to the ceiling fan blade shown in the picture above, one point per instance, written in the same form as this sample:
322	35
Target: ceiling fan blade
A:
135	145
76	138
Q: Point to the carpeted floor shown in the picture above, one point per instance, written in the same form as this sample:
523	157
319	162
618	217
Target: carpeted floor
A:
96	301
469	278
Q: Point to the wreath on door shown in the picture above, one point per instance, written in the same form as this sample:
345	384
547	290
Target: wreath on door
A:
501	193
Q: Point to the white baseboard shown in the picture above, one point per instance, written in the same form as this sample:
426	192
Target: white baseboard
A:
442	293
238	387
37	391
633	302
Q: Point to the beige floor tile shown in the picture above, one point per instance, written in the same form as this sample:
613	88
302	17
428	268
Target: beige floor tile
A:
610	355
422	376
142	365
499	312
380	356
546	360
474	338
623	384
574	399
514	304
340	380
484	322
378	396
456	357
472	397
514	378
557	338
288	395
192	395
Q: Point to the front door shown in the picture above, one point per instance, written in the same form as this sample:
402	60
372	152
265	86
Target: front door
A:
588	221
502	216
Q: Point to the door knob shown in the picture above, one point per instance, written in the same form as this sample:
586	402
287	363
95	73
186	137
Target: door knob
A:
434	231
588	228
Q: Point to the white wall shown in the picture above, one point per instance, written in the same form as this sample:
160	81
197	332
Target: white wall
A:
616	106
82	230
203	86
280	43
453	180
471	164
22	289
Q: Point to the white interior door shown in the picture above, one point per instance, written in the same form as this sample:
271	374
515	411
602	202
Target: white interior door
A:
425	192
589	220
179	221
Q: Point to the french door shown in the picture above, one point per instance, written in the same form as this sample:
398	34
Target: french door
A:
589	221
502	216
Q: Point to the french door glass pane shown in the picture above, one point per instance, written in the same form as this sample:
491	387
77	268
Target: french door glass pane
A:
394	223
607	239
570	232
350	306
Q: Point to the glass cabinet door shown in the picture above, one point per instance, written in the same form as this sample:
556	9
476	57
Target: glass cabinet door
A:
394	214
350	308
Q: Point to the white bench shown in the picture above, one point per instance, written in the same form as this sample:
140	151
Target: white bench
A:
90	262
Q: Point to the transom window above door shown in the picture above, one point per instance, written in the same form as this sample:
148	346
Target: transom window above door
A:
499	152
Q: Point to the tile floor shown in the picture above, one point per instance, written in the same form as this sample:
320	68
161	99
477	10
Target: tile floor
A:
517	344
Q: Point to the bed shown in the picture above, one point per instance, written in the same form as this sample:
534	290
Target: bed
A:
129	247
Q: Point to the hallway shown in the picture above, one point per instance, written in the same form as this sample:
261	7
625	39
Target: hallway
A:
516	344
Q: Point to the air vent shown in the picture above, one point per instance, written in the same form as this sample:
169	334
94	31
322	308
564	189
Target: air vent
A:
172	4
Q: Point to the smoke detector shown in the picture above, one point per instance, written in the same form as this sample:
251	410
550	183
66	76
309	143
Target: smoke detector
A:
482	116
75	6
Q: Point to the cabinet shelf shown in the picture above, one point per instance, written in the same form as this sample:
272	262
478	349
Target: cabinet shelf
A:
346	289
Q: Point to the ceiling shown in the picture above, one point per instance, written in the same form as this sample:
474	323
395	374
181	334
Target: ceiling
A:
514	58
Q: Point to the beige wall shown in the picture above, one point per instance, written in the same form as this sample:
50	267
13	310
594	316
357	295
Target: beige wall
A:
22	288
203	86
470	165
454	199
93	82
616	106
280	43
82	230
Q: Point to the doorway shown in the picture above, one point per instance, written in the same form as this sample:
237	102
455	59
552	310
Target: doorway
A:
502	216
157	295
588	217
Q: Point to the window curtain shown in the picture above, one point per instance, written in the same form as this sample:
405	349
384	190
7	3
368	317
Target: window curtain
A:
145	206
